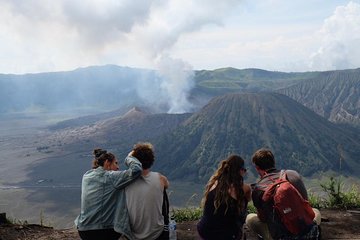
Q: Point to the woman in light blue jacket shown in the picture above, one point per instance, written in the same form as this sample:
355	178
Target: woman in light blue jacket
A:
100	191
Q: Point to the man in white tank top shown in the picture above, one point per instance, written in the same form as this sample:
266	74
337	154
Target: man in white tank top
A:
144	197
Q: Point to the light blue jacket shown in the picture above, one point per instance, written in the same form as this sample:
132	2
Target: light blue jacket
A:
103	198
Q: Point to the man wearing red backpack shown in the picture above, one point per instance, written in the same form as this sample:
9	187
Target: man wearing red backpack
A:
281	200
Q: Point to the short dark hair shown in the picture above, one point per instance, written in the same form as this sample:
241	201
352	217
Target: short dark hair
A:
264	159
144	152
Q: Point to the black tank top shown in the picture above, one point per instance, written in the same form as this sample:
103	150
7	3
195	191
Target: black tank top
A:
221	225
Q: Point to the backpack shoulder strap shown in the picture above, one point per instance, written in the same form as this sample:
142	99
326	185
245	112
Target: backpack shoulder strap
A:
271	188
283	174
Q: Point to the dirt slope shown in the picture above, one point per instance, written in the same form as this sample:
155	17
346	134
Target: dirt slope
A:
336	225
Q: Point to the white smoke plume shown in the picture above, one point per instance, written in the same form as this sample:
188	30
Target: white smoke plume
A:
176	83
111	30
166	24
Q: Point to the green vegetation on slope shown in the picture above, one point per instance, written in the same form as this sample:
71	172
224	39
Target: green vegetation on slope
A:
229	79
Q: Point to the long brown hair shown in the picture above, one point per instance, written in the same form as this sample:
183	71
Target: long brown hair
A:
227	176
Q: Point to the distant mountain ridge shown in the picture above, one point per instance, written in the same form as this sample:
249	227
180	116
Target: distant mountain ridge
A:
250	79
334	95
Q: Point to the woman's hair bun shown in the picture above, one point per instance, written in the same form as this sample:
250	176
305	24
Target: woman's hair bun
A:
98	152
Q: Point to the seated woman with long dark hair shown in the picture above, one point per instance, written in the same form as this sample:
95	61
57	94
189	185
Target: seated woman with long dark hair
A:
225	201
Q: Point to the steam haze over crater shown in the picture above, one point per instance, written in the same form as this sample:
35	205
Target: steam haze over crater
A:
176	37
99	88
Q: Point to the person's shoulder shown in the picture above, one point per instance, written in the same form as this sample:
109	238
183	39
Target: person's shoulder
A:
89	171
94	171
246	187
159	174
247	191
290	171
163	180
293	173
88	174
294	177
162	177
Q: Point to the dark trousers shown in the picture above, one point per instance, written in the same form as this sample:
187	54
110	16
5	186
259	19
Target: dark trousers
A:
164	236
104	234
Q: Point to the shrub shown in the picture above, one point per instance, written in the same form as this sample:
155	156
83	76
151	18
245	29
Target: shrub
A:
251	208
316	201
338	197
187	214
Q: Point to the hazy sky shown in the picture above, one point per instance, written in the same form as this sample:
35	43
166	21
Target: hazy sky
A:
282	35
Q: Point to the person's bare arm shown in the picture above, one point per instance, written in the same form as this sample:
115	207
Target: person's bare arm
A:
164	181
247	192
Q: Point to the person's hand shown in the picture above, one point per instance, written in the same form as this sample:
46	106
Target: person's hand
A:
131	153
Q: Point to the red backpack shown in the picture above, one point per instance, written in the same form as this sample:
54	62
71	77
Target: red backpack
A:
293	210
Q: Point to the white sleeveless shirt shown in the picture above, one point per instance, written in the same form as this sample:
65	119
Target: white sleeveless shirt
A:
144	199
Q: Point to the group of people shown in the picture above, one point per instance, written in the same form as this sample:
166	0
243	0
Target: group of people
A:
226	198
127	203
130	203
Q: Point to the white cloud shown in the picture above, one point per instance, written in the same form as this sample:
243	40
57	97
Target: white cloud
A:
340	40
67	34
42	35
